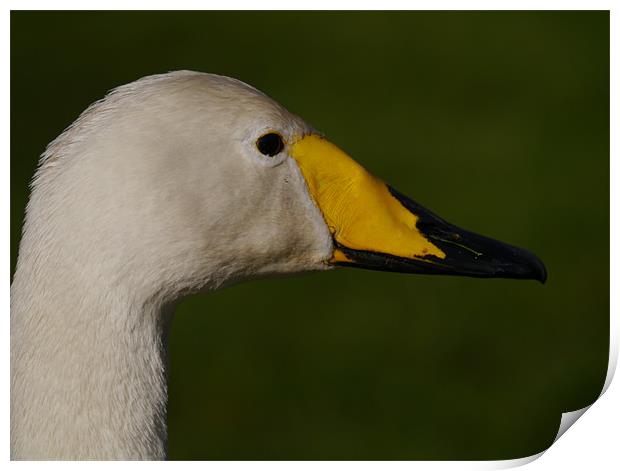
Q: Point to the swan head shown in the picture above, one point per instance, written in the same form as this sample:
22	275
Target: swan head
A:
186	181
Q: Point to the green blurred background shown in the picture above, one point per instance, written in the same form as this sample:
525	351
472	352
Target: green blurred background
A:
498	121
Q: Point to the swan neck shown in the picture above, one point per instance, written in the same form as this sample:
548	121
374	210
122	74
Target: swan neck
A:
88	368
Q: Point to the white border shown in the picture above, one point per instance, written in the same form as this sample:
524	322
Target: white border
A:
593	443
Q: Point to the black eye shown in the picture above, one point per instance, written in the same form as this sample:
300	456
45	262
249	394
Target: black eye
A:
270	144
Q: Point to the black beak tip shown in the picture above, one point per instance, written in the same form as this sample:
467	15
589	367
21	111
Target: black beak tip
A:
493	259
532	267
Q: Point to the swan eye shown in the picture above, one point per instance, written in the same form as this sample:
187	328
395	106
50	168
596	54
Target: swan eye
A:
270	144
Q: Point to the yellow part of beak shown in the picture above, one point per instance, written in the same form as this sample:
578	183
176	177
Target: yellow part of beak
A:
357	206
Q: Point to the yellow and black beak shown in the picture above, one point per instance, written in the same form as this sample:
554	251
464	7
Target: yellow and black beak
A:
376	227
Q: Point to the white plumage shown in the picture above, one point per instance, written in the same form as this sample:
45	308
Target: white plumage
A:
155	192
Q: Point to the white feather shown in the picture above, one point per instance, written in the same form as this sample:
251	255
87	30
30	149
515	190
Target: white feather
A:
154	192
